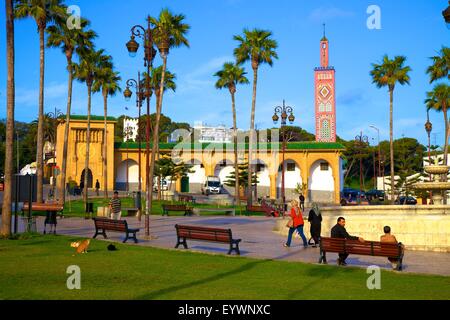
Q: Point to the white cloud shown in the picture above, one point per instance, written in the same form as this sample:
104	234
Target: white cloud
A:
323	14
202	76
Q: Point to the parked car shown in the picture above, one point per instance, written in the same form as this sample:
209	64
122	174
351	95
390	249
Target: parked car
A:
212	185
375	194
406	200
351	196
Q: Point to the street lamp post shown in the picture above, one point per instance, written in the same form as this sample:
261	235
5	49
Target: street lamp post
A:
379	153
360	141
149	55
283	112
54	116
428	129
132	83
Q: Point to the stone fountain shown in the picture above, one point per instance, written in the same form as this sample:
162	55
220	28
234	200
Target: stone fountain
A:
437	187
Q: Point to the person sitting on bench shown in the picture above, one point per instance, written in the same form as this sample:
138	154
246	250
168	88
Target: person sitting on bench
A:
338	231
390	238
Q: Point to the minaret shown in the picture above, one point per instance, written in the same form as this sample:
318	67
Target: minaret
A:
325	96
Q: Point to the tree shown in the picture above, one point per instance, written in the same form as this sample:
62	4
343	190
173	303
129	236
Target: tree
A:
441	65
242	177
439	100
257	47
229	77
10	96
169	32
87	71
388	74
108	83
43	12
70	41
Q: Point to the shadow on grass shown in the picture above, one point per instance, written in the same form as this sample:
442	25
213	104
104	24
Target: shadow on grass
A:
220	276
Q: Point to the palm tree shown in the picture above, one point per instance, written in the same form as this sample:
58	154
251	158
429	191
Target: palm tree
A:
229	77
439	100
388	74
257	47
43	12
155	86
9	150
441	65
108	83
169	32
91	62
70	41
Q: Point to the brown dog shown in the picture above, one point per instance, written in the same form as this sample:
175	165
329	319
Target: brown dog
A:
82	246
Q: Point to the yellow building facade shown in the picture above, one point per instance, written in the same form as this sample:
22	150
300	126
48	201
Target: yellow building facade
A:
314	165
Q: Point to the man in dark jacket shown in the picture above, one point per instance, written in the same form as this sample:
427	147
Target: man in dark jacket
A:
338	231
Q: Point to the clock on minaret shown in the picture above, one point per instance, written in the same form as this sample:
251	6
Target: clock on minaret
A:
325	97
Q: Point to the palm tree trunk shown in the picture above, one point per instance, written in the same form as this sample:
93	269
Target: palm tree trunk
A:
40	133
155	132
444	176
88	141
62	190
105	143
6	208
444	110
391	143
236	169
250	146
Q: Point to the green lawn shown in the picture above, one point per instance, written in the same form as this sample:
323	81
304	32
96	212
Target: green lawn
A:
76	208
36	269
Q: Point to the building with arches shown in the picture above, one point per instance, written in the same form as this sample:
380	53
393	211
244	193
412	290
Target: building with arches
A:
315	166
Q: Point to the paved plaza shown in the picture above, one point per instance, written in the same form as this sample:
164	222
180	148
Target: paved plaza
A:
258	241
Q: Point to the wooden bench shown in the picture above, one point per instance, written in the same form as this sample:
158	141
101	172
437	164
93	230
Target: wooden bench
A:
258	209
51	209
186	198
367	248
206	234
103	224
227	211
176	207
131	212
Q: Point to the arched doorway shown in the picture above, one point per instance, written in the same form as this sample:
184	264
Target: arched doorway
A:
262	173
128	171
321	182
292	179
223	170
197	176
89	177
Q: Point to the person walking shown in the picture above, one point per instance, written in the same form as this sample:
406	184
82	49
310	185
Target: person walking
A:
115	207
338	231
390	238
315	219
97	187
302	202
296	223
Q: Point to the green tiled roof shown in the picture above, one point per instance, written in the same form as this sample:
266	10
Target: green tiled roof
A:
290	146
93	118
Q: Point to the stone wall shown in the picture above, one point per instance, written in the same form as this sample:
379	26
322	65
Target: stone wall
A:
419	227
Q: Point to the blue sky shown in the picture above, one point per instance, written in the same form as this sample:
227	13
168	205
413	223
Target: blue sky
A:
412	28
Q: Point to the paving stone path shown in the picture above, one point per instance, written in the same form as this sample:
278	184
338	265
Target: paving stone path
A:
258	241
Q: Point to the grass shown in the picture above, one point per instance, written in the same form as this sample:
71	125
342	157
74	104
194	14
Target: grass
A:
75	208
35	268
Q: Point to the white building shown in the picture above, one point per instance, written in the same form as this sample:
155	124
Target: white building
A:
130	129
208	134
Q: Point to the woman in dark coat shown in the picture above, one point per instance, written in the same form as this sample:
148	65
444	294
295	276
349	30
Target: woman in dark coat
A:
315	218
